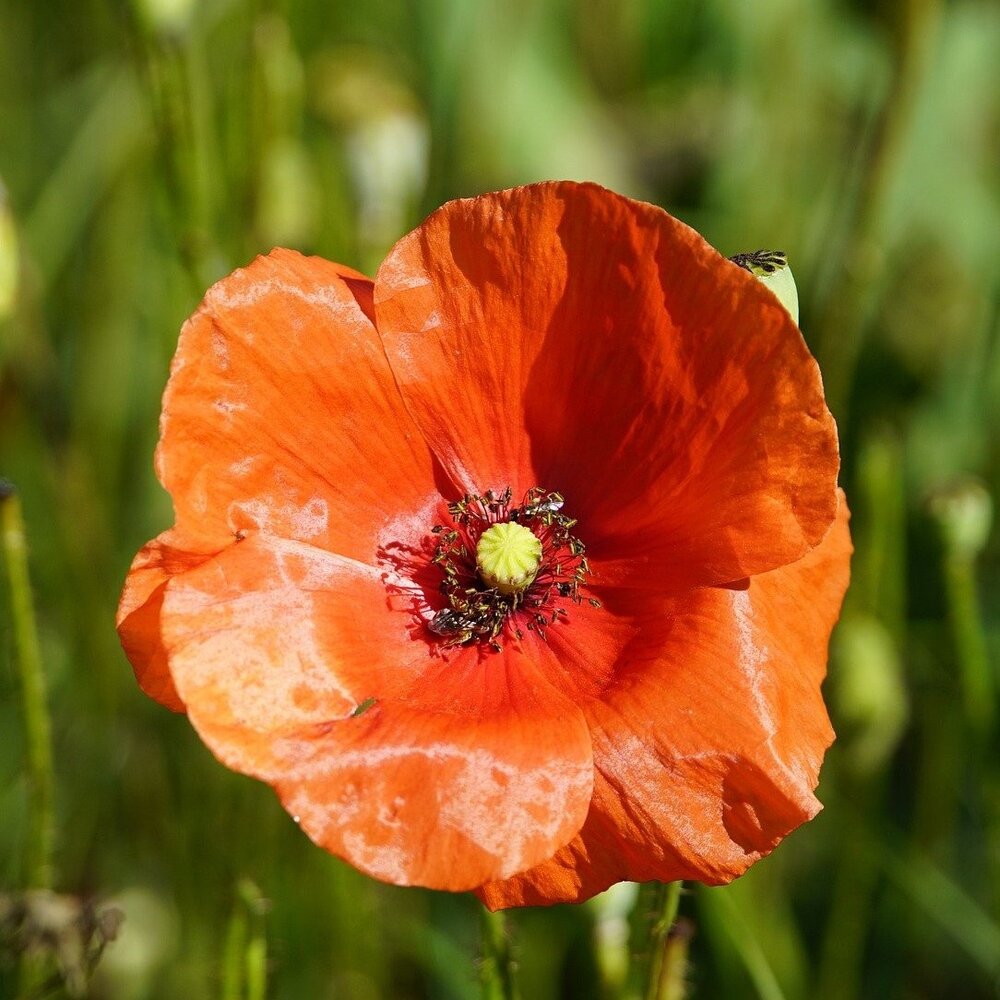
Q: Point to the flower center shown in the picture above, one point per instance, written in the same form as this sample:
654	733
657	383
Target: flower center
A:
506	569
508	555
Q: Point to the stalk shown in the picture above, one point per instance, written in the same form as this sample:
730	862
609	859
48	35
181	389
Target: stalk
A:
244	967
37	725
858	273
498	964
970	643
664	974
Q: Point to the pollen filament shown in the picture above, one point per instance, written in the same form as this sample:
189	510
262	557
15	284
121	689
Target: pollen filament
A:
508	556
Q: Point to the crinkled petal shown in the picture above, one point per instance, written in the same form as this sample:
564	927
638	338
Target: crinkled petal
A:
466	767
707	750
138	617
561	335
281	414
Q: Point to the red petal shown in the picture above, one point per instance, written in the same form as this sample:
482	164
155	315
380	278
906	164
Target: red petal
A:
561	335
281	414
138	617
466	768
708	744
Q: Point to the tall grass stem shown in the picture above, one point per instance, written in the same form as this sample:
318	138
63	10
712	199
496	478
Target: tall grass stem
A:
859	270
975	676
244	968
662	973
39	867
497	962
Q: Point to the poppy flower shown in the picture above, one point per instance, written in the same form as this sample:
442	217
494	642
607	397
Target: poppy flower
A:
513	569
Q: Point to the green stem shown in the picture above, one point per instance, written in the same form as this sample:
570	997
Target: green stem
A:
498	964
38	729
970	642
160	64
232	957
850	912
662	971
723	910
852	292
673	976
256	950
244	969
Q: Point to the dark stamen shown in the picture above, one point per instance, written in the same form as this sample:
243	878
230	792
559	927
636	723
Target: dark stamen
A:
477	612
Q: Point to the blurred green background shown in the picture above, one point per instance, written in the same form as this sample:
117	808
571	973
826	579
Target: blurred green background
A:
149	147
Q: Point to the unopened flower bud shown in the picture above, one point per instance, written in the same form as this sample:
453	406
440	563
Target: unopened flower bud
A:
964	512
168	17
770	267
611	910
869	697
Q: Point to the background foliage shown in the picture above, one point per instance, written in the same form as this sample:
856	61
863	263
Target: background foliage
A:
147	148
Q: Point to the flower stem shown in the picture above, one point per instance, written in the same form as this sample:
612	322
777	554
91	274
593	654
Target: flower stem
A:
970	642
664	975
244	972
964	514
498	964
41	840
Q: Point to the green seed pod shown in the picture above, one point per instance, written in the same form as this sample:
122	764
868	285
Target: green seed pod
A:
964	513
508	556
611	910
166	17
868	694
770	267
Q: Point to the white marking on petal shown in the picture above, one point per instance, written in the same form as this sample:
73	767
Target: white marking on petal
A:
753	658
396	274
432	322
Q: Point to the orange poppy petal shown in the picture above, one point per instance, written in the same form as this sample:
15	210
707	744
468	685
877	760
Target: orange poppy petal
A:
279	397
564	336
464	769
707	752
448	802
272	635
138	617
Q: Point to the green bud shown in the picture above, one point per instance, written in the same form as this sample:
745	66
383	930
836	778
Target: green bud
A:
286	206
770	267
168	17
964	512
868	695
611	910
